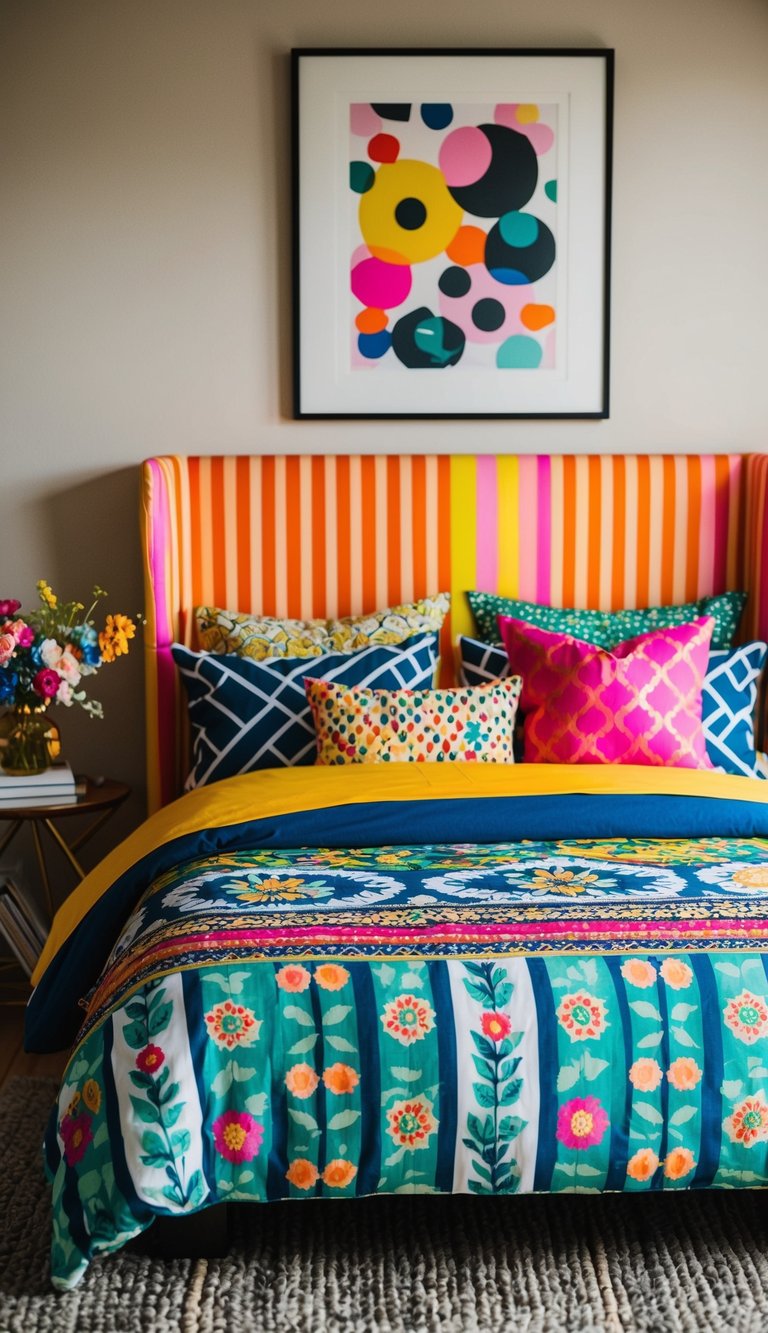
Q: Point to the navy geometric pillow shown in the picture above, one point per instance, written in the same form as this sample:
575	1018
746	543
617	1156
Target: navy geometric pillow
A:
246	715
728	700
728	697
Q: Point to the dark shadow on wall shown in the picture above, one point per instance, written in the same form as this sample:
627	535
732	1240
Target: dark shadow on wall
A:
92	531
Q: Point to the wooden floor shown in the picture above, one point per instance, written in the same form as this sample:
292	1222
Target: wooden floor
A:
13	1060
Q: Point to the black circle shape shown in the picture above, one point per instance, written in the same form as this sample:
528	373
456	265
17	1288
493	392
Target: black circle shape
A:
410	214
454	281
515	265
510	179
488	314
408	352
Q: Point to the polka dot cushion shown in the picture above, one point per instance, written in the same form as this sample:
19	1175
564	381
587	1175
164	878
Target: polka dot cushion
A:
362	726
607	628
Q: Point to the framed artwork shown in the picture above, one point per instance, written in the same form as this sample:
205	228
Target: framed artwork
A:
451	232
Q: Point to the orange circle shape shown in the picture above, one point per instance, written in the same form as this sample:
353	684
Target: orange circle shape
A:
371	320
537	316
467	247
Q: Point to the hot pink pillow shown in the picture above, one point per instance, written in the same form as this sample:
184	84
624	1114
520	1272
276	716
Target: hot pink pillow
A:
639	703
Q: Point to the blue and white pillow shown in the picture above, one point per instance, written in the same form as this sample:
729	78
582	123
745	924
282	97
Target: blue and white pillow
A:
246	715
728	697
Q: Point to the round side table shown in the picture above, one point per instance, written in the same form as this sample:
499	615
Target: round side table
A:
100	799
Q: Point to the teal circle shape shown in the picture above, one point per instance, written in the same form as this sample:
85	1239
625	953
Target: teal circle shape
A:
519	229
519	353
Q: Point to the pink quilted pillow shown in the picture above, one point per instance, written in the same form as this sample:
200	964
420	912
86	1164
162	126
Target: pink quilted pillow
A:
639	703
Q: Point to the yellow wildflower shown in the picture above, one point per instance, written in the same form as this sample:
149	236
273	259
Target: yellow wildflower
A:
47	595
113	639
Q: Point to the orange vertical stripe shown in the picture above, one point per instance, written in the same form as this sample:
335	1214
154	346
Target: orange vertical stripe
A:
619	533
643	530
218	519
269	588
394	561
569	531
370	506
419	488
694	522
668	533
293	535
319	555
243	516
342	531
594	540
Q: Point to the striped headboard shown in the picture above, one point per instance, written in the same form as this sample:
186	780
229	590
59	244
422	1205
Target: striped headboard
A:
337	535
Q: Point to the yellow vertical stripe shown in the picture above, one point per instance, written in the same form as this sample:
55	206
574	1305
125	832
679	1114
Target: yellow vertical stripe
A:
463	541
508	491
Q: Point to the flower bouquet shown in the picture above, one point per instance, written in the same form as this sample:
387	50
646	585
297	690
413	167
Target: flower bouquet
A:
46	656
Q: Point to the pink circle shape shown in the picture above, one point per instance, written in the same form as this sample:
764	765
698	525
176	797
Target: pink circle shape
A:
465	156
506	114
381	285
541	137
363	120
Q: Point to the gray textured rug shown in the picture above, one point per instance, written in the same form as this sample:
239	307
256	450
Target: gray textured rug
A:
535	1264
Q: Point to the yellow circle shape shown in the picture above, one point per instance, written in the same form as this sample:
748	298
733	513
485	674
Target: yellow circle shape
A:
396	181
527	113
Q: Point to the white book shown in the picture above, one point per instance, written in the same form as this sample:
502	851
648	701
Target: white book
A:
59	777
37	800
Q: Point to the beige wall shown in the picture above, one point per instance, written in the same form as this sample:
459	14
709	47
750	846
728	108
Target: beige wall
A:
144	216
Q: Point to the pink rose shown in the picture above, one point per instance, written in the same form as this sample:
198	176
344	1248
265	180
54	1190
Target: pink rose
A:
46	683
64	694
61	660
21	631
50	652
7	648
9	606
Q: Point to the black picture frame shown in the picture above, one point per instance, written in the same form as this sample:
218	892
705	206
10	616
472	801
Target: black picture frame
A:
495	374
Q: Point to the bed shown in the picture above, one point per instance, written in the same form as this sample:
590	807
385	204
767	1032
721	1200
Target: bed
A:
345	980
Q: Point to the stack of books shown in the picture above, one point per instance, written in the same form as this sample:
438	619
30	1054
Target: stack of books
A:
21	924
55	786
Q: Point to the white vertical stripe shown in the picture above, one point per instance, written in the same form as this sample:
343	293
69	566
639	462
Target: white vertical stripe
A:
430	483
631	502
148	1181
257	590
606	532
356	535
656	527
382	534
281	540
406	529
305	526
331	608
468	1014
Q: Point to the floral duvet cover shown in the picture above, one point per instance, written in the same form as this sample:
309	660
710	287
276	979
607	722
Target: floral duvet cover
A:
289	1017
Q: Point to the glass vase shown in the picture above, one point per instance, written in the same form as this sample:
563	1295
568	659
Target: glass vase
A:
30	740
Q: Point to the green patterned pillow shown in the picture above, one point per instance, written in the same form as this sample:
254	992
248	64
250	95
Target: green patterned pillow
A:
607	628
262	637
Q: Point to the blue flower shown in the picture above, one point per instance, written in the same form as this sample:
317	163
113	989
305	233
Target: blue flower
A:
8	682
91	654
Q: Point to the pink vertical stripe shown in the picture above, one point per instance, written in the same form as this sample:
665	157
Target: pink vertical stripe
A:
487	508
527	526
544	552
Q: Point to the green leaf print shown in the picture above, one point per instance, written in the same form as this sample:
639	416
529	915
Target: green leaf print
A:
299	1015
489	1138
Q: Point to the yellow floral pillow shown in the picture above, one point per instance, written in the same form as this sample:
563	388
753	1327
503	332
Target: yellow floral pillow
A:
260	637
361	726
